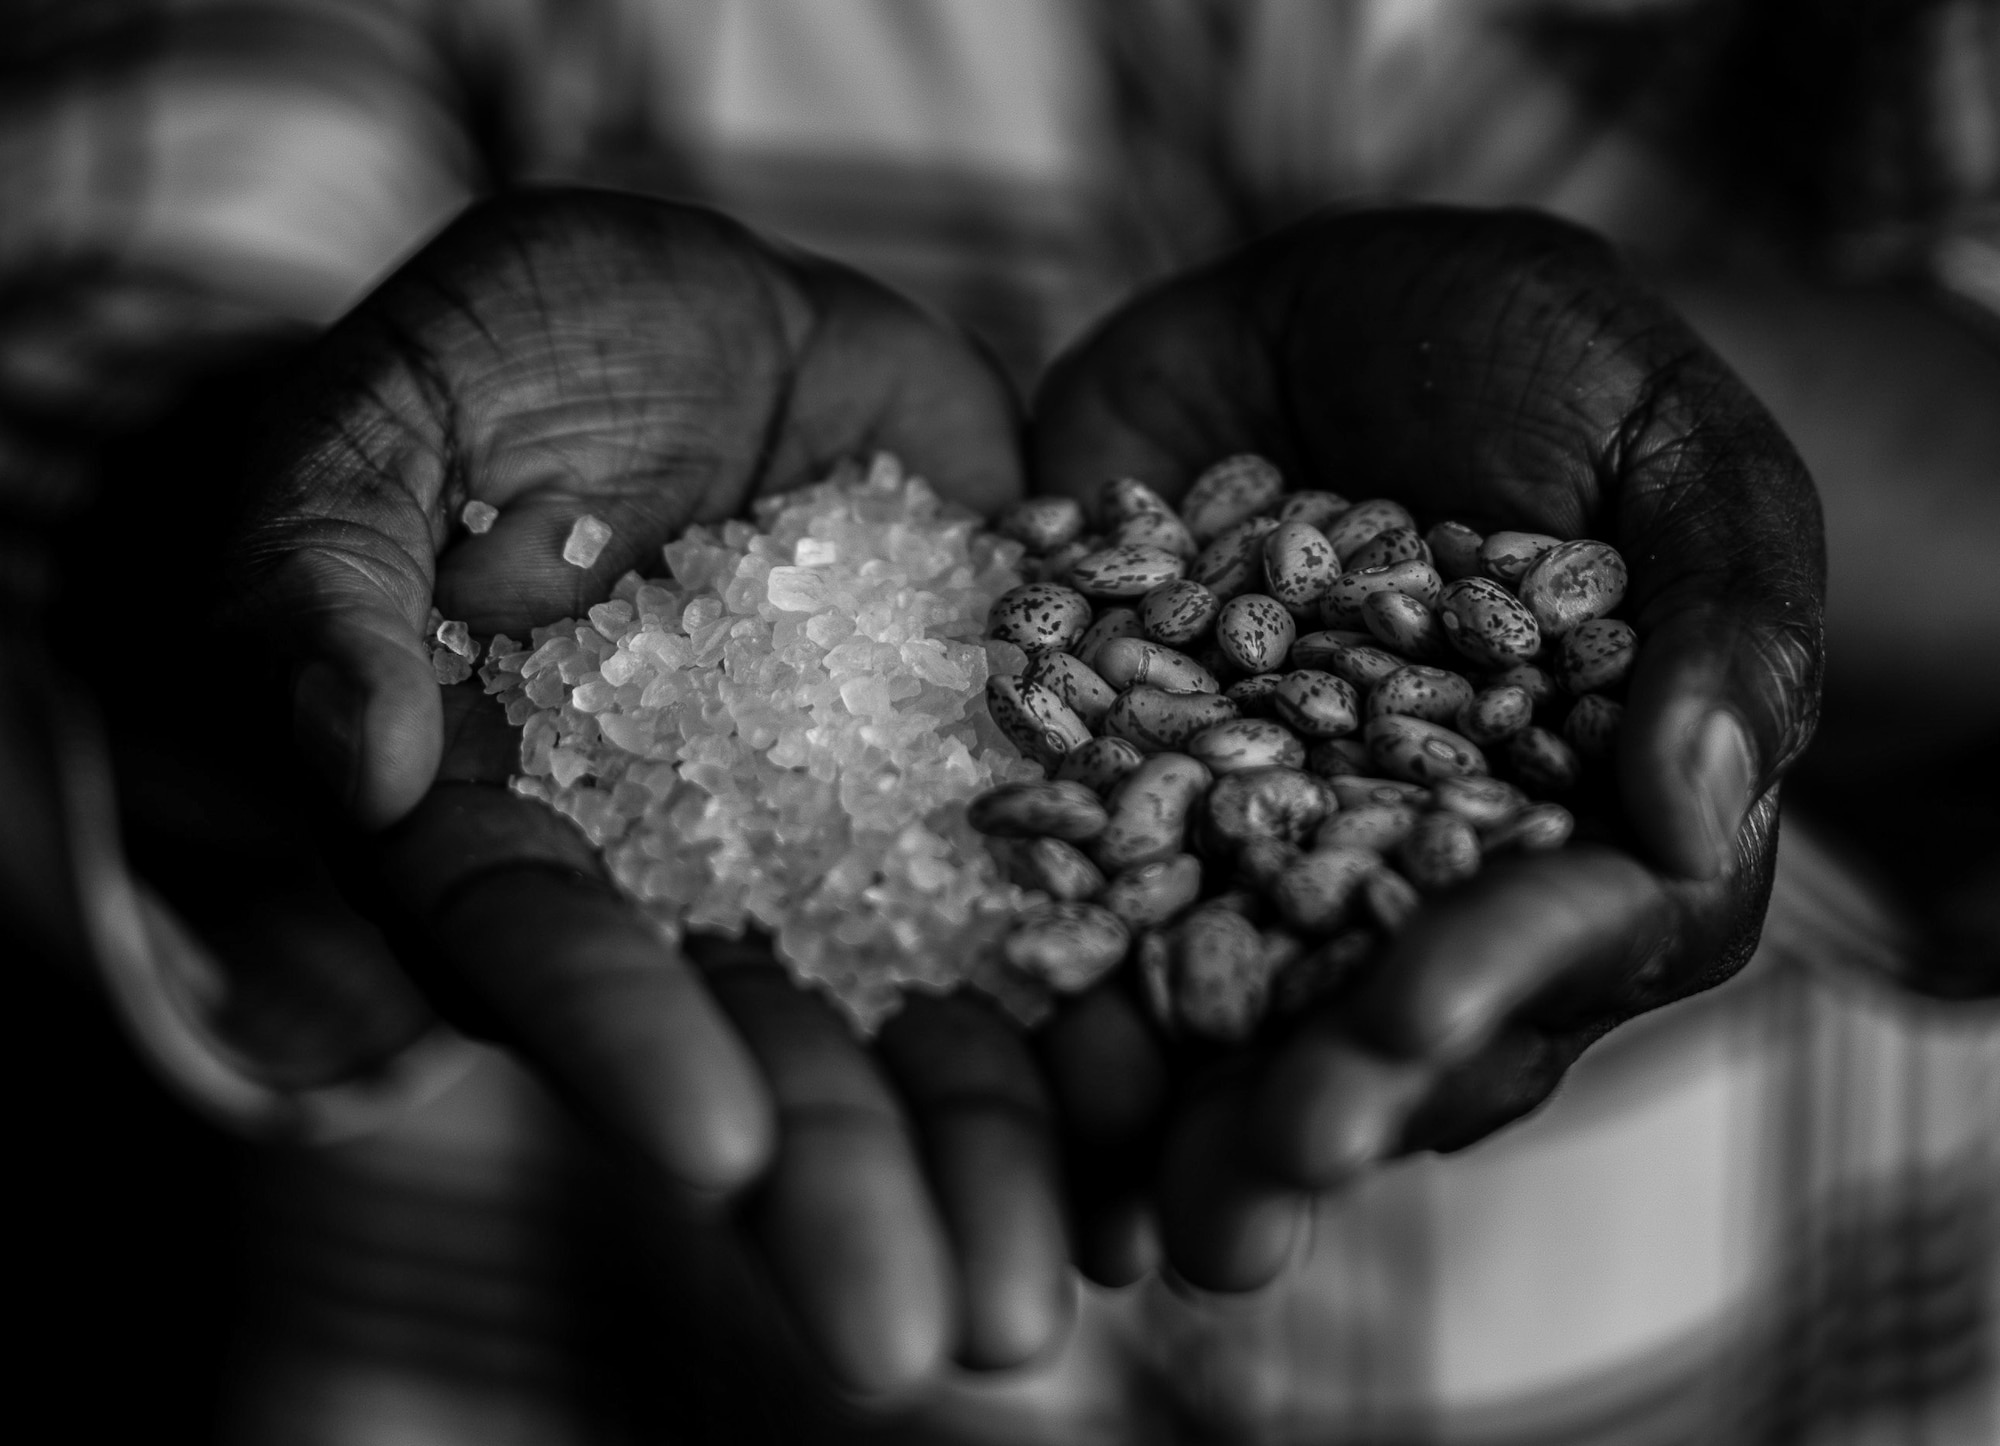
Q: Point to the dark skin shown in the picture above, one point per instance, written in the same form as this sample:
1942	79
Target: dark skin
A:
562	353
1504	370
654	365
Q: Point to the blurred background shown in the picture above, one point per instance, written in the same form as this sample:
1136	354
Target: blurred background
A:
1767	1214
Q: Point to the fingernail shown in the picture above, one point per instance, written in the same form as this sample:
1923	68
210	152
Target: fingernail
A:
1720	776
326	722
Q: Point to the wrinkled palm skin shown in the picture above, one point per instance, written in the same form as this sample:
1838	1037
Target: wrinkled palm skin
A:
1503	369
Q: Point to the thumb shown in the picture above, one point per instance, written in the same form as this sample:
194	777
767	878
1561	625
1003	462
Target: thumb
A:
365	706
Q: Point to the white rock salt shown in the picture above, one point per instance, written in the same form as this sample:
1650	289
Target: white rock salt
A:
586	540
784	736
478	516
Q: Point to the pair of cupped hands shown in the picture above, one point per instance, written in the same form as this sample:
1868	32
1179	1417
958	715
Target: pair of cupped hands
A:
922	1199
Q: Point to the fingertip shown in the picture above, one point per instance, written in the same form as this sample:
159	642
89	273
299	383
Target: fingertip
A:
1688	769
1327	1108
372	725
1223	1228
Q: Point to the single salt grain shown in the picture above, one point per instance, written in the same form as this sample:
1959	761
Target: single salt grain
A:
458	637
449	667
586	540
478	516
816	552
796	589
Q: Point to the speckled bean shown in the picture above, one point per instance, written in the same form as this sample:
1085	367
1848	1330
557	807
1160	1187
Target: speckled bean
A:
1320	649
1255	632
1042	524
1234	562
1314	509
1454	550
1157	720
1125	572
1135	663
1123	497
1247	743
1156	529
1488	624
1339	758
1535	829
1220	983
1299	565
1389	547
1420	752
1179	612
1362	522
1067	946
1260	860
1537	684
1149	812
1042	808
1442	850
1088	695
1481	801
1100	764
1349	593
1495	714
1596	655
1111	623
1054	566
1059	869
1232	491
1318	705
1256	695
1035	720
1148	895
1392	899
1354	790
1279	803
1592	726
1039	617
1415	691
1542	761
1376	826
1572	584
1316	891
1506	556
1404	625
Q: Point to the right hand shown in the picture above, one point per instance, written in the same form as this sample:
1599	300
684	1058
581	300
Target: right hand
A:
561	353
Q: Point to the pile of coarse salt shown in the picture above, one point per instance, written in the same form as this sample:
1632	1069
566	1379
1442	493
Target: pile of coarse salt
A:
784	735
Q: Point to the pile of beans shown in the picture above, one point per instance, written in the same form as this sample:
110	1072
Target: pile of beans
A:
1273	722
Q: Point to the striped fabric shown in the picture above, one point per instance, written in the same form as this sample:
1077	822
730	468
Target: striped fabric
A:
1766	1215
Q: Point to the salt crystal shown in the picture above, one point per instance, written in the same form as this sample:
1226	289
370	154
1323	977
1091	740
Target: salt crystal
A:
478	516
797	589
732	740
458	638
586	540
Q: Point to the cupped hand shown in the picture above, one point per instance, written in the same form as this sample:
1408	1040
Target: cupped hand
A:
561	353
1502	369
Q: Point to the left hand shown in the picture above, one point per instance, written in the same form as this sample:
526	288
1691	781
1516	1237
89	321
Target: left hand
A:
1502	369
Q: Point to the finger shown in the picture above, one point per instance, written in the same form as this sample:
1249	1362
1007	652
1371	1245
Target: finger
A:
1224	1226
1339	1092
878	374
843	1215
519	931
980	1110
351	596
1109	1078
